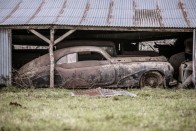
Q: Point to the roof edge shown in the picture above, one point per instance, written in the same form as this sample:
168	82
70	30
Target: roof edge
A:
101	28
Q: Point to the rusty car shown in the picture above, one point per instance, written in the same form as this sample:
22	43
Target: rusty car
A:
90	66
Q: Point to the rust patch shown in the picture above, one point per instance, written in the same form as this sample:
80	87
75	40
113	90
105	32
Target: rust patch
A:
37	11
61	11
160	18
76	83
85	12
110	12
185	16
134	7
147	15
12	12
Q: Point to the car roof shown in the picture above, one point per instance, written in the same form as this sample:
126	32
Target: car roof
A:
69	50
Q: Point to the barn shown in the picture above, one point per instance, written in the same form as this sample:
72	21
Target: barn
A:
48	23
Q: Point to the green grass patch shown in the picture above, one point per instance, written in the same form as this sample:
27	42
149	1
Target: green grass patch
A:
56	109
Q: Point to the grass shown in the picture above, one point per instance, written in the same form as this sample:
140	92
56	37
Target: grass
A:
55	109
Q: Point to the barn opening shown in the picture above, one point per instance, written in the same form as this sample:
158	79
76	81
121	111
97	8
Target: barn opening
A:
129	25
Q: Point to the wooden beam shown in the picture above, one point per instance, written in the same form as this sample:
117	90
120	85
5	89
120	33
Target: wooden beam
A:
51	53
194	58
63	36
40	36
51	43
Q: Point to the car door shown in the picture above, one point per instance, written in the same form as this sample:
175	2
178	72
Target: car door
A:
41	78
87	69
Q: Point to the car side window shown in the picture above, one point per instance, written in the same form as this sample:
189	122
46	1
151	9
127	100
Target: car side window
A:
81	56
90	55
69	58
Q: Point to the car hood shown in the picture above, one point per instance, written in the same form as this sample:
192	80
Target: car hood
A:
138	59
34	65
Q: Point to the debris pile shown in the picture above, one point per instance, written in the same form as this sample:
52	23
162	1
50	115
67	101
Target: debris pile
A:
102	92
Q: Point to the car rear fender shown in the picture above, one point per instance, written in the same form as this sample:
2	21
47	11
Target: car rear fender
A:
133	79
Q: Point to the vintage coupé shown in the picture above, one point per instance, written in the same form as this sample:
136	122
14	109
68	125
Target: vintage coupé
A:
89	66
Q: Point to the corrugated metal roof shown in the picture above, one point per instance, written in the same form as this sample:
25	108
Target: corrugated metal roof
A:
114	13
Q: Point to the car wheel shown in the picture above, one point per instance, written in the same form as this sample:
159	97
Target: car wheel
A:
151	79
176	60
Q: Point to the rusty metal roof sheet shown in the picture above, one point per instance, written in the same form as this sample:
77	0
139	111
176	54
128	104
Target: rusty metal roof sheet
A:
102	92
104	13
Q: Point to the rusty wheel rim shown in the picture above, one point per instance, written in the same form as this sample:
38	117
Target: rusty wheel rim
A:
151	79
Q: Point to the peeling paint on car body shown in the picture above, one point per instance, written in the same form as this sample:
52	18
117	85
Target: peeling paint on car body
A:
110	72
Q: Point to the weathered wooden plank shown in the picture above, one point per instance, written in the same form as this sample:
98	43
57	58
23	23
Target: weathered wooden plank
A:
64	36
194	58
40	36
51	58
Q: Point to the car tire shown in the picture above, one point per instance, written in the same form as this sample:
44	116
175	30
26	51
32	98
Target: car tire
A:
176	60
152	79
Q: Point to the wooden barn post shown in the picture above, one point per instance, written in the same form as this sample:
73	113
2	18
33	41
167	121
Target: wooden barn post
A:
194	58
51	43
51	54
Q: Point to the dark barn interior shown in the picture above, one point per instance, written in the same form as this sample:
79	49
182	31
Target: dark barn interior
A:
26	46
